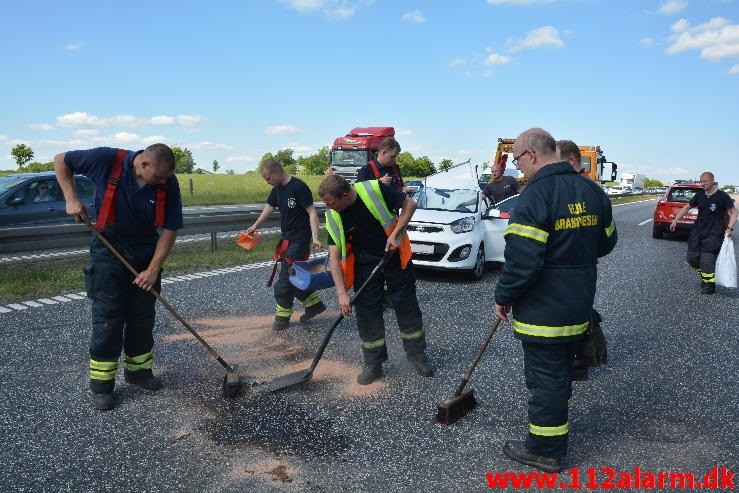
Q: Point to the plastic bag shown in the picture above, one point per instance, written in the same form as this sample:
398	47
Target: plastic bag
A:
593	348
726	264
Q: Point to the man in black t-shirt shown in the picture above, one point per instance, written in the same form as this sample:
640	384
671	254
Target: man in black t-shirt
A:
298	225
500	187
709	229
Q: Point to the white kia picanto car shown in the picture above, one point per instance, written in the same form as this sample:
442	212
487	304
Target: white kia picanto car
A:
454	228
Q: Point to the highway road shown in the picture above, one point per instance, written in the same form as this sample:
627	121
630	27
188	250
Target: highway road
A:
668	400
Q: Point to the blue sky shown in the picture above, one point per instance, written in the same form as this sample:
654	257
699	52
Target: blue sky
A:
653	82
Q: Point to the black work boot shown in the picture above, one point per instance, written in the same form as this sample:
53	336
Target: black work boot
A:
103	402
281	323
708	288
146	380
420	363
369	374
313	311
516	450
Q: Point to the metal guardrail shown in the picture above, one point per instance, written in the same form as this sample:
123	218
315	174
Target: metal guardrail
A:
38	237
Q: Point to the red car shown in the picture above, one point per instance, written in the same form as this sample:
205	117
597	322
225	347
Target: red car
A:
676	196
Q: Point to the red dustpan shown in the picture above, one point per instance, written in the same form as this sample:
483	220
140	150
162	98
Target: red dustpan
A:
249	240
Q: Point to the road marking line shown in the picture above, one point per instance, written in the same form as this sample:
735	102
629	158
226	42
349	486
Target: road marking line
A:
32	304
75	296
4	310
645	222
61	298
16	306
47	301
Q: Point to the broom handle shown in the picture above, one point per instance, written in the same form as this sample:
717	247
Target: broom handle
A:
159	298
330	332
468	375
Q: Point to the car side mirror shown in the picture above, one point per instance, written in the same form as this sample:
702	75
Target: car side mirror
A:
16	201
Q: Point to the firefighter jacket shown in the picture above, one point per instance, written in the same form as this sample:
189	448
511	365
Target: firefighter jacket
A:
561	225
371	196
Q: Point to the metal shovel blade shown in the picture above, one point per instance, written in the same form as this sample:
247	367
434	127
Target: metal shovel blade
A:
289	380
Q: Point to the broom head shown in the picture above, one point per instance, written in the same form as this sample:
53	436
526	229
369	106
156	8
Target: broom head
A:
231	385
454	408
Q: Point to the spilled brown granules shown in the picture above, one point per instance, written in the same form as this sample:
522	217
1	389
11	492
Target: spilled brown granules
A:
268	470
264	354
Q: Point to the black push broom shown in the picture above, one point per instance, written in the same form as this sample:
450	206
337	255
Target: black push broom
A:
463	400
231	381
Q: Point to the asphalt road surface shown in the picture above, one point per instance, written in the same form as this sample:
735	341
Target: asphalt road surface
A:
668	399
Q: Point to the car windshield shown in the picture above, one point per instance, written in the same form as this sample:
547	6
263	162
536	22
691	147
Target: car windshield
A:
681	194
340	157
8	182
442	199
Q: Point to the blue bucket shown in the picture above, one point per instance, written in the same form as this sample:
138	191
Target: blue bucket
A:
311	275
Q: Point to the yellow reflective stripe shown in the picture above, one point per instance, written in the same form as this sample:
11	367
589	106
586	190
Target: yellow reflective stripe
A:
311	300
103	370
374	344
549	331
549	431
611	228
411	335
103	365
708	276
335	228
281	311
141	362
527	232
141	358
369	192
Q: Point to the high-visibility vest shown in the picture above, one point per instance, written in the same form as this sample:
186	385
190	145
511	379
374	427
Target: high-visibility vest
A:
371	195
106	214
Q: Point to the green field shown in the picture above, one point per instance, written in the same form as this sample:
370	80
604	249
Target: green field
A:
248	188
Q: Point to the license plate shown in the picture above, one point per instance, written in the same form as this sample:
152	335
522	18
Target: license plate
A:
424	249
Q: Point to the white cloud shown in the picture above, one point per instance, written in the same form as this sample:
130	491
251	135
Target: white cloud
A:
189	120
457	62
488	74
414	16
543	37
646	42
74	46
85	132
518	2
3	138
126	137
333	9
733	70
42	126
716	39
404	132
241	159
672	6
496	59
281	130
162	120
680	26
299	148
83	119
211	145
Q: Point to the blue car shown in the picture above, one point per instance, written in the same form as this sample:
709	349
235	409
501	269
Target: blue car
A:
36	198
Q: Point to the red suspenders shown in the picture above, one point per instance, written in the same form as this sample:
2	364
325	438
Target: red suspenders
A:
376	172
107	208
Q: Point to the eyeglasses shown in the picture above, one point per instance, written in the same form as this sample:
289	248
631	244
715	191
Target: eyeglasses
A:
515	159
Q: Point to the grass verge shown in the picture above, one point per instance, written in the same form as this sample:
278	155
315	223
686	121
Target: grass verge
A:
32	279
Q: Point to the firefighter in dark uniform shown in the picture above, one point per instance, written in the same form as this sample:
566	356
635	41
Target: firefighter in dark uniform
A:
709	229
560	227
144	197
298	228
363	224
384	167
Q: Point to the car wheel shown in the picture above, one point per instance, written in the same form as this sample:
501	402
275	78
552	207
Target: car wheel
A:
479	268
657	231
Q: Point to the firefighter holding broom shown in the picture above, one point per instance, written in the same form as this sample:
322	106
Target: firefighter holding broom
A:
137	192
363	224
299	226
559	229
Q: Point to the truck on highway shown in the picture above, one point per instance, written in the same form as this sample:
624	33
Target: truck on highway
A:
633	180
592	160
352	151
